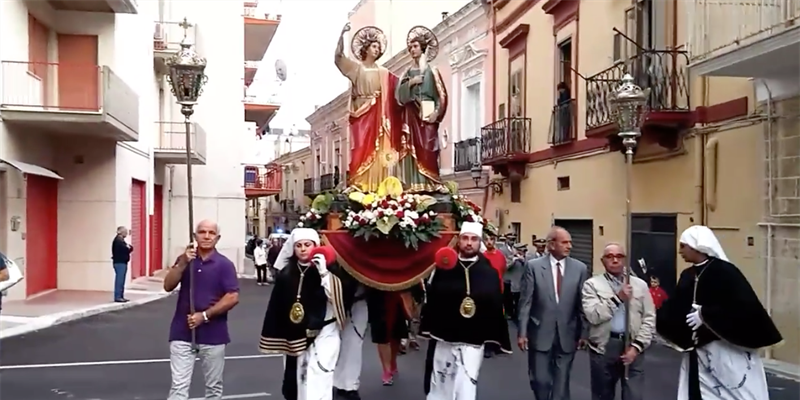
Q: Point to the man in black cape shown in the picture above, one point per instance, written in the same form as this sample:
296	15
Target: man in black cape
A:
463	313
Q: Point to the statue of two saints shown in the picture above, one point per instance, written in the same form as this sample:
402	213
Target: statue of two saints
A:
394	121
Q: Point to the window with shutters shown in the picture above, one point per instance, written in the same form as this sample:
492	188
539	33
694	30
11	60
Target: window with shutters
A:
517	93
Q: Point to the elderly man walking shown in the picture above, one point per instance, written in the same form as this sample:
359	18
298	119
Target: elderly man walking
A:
216	291
120	257
604	298
550	316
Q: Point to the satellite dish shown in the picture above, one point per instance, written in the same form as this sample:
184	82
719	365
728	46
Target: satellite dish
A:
280	70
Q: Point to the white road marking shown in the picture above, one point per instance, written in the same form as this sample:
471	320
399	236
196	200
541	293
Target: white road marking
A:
239	396
123	362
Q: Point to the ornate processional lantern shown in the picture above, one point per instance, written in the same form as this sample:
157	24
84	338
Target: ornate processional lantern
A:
187	78
629	108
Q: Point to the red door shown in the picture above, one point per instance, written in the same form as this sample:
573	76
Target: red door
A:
41	238
157	230
138	224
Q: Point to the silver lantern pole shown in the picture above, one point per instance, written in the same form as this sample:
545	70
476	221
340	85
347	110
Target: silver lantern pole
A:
629	107
186	77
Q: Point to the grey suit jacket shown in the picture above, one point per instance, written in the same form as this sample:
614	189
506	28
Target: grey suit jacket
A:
540	316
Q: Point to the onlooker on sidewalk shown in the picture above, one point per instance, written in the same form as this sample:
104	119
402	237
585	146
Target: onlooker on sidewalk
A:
272	256
604	298
216	291
260	260
120	256
3	276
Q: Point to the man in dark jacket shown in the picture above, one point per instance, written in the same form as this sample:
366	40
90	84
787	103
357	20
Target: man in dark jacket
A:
120	256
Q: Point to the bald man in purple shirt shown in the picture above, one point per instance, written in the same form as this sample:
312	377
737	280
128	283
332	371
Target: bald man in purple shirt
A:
216	291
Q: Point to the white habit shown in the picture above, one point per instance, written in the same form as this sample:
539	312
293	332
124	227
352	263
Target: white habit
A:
316	364
726	372
348	368
455	371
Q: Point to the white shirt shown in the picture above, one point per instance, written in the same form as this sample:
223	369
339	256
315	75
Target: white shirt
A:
260	255
553	263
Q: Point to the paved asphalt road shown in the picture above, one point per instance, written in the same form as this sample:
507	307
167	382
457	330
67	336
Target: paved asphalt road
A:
123	356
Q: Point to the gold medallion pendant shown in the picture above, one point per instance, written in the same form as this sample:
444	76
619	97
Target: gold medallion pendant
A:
467	307
297	313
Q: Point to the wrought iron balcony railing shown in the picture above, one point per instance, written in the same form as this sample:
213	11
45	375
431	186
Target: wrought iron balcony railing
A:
564	123
664	72
326	182
311	186
467	154
260	179
737	23
505	138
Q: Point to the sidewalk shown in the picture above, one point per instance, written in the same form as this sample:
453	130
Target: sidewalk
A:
19	317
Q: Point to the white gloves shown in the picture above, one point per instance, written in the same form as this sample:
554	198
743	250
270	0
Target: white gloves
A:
693	319
321	263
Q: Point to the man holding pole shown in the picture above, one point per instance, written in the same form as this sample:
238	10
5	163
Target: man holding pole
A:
606	299
202	332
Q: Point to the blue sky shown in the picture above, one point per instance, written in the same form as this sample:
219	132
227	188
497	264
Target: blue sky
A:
305	41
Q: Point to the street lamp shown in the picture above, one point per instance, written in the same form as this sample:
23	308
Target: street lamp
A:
476	172
186	78
629	108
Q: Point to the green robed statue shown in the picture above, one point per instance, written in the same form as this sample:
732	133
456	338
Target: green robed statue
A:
423	97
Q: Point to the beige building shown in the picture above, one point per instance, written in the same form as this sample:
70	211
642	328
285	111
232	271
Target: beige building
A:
714	150
281	212
463	63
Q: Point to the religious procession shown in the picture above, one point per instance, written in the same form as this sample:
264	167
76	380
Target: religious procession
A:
400	254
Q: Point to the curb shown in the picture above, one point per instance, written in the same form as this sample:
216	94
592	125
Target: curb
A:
51	320
782	370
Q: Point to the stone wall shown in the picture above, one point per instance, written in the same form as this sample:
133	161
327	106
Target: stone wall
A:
781	228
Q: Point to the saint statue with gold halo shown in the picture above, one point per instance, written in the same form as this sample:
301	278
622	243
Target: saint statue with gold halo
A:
374	115
423	98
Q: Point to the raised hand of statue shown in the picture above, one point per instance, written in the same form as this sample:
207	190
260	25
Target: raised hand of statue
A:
346	28
415	80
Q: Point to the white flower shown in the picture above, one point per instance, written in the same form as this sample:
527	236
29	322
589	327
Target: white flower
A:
389	212
302	218
313	210
403	223
299	224
369	214
431	213
412	215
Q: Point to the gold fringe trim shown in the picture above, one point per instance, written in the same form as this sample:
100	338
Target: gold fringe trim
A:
382	286
282	346
338	301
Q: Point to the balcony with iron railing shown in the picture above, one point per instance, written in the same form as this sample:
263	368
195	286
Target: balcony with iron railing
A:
326	182
564	123
467	154
664	73
170	146
744	38
506	140
260	109
262	182
68	99
311	186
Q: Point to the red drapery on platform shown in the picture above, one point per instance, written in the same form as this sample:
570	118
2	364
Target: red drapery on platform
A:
385	263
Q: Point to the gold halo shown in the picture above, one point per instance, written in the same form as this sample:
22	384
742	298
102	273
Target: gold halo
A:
425	35
364	36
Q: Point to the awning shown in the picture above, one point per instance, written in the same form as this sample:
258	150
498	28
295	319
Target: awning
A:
31	169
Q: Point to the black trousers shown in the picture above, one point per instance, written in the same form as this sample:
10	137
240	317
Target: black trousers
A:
510	301
607	370
261	273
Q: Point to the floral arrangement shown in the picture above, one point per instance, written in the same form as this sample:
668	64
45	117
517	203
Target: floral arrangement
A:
466	211
390	212
313	219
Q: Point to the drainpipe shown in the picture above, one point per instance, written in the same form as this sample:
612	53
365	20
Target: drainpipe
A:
169	208
494	93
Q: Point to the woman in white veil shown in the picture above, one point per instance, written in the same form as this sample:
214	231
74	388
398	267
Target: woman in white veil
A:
716	318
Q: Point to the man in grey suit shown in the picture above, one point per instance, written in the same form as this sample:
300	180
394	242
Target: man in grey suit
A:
550	316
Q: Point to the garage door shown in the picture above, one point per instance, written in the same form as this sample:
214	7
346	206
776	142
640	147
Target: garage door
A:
138	224
41	239
582	232
157	230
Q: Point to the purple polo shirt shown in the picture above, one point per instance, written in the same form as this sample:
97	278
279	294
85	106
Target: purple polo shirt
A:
214	277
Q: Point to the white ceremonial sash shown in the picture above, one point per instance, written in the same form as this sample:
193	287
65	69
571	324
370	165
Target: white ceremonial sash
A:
727	372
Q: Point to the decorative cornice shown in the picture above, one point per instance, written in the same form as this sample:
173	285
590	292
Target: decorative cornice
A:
519	33
466	55
339	102
450	26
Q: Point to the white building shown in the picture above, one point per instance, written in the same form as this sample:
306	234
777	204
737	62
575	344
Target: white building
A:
91	138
